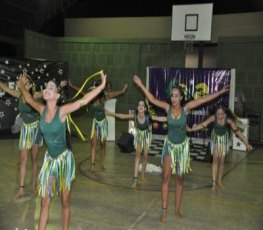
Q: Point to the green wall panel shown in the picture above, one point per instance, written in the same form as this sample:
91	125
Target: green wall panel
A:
245	54
119	58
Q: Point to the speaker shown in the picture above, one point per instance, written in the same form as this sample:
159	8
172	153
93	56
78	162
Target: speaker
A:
125	142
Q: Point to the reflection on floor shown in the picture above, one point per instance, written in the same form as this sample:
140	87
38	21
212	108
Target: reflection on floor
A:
105	199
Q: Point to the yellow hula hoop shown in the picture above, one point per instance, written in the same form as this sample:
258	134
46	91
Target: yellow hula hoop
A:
70	120
85	82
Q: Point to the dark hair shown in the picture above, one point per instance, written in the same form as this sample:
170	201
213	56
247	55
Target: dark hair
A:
146	112
181	93
226	110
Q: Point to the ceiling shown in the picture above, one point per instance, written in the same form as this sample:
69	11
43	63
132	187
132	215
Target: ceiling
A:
47	16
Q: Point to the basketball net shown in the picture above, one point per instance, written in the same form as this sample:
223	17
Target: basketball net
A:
189	43
189	46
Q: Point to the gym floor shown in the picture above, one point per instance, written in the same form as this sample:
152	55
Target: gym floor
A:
105	199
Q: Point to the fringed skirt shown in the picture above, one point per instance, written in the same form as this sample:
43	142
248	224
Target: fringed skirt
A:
100	128
180	156
30	135
142	140
56	174
219	144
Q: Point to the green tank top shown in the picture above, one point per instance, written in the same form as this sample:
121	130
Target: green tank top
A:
142	126
220	129
54	134
98	111
28	114
176	127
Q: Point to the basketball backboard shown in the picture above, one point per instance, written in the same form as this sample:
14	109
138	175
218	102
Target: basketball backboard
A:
192	22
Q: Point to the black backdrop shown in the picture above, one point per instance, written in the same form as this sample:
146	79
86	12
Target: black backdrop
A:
41	71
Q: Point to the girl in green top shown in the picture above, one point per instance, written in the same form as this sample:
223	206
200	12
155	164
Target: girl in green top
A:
99	131
58	169
30	136
142	137
222	119
175	154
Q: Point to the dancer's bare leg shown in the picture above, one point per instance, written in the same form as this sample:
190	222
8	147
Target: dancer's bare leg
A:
165	187
144	164
103	154
136	168
65	198
214	171
22	172
179	190
34	167
93	152
221	172
44	212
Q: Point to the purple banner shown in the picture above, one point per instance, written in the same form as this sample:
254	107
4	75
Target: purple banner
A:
195	83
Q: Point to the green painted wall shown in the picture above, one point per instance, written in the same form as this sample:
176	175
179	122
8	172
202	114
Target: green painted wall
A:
245	54
119	58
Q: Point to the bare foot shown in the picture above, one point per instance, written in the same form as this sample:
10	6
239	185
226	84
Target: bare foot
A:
92	167
178	215
34	190
220	186
213	188
143	179
134	184
20	192
163	215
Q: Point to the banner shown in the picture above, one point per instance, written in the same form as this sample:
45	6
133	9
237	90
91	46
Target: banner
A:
195	84
40	71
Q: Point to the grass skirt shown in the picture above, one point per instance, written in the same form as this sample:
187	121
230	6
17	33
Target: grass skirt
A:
100	128
142	140
56	174
29	135
180	156
219	144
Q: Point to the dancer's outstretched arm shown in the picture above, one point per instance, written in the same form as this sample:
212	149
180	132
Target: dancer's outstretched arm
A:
120	115
240	135
75	87
150	97
114	94
71	107
202	125
67	108
21	82
159	118
12	92
197	102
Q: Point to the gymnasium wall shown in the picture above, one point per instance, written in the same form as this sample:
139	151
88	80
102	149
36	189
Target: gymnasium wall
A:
119	58
245	54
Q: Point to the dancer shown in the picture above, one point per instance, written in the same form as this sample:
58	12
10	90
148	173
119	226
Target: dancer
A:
222	119
58	169
99	131
30	136
112	94
175	154
143	135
